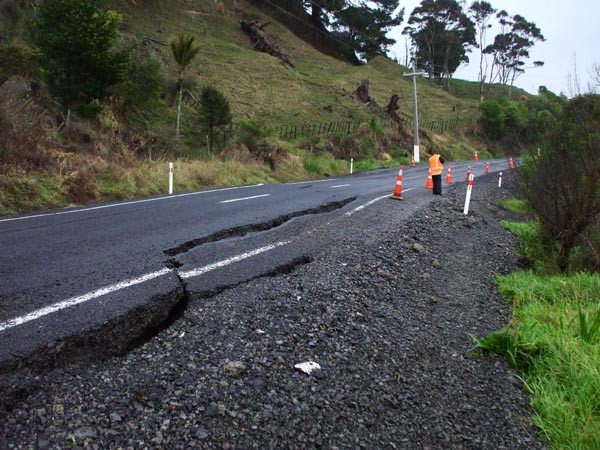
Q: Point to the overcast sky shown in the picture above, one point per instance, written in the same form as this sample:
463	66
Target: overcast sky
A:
572	32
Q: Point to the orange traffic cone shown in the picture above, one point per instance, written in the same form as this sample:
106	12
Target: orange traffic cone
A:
412	161
468	172
511	163
449	175
476	157
397	195
429	183
487	167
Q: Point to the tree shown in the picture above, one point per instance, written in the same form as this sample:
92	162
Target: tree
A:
502	117
363	25
482	12
214	111
511	47
441	34
77	41
184	50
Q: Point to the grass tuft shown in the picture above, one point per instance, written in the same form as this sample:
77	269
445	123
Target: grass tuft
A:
553	338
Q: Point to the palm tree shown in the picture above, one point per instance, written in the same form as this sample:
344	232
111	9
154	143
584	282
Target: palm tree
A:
184	50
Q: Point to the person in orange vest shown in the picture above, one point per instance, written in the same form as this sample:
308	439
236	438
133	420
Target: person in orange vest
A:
436	164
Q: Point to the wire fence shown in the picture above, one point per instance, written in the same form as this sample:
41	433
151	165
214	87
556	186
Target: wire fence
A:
442	126
289	132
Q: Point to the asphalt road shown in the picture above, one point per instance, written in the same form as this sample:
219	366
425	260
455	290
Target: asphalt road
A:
101	278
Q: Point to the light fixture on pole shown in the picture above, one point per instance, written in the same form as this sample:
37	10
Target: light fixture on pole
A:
414	75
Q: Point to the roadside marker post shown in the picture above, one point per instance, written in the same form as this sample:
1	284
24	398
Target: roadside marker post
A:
351	164
170	178
500	180
468	198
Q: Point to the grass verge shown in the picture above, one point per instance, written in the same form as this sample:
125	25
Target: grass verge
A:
554	340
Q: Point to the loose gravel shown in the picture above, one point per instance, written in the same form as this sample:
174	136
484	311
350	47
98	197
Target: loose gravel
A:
387	313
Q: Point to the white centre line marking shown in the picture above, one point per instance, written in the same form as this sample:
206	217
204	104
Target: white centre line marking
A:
128	283
339	185
245	198
361	207
80	299
201	270
73	211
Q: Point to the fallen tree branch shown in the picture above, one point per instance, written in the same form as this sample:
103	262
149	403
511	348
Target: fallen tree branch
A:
262	42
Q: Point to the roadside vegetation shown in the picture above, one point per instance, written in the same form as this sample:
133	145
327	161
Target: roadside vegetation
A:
95	113
553	338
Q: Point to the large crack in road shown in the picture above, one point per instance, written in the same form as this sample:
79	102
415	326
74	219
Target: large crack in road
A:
252	228
120	335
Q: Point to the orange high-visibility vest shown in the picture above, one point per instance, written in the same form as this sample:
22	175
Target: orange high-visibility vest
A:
436	166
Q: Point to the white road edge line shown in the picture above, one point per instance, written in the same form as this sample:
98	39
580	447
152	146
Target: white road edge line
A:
186	194
361	207
201	270
244	198
128	283
80	299
339	185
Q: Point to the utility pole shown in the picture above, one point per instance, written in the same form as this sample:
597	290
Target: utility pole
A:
414	75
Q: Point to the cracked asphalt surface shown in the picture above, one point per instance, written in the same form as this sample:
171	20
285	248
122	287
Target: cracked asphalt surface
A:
385	303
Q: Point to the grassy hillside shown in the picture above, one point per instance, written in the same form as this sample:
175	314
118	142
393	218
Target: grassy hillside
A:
112	157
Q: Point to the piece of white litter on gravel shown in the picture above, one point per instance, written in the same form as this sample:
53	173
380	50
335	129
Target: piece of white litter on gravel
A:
260	331
308	367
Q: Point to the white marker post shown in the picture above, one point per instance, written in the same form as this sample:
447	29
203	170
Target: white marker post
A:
351	164
500	180
170	178
468	198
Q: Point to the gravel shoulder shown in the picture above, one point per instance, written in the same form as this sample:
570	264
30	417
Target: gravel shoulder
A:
388	312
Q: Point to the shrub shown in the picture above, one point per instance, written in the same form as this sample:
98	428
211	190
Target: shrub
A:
17	59
563	184
251	133
142	87
502	116
214	111
493	118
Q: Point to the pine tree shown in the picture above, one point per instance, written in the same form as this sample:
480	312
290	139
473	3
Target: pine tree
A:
77	41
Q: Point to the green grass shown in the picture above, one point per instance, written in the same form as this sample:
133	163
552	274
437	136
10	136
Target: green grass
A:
530	242
554	340
318	90
30	193
516	205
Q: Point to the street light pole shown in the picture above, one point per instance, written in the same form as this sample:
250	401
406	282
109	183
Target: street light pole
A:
414	75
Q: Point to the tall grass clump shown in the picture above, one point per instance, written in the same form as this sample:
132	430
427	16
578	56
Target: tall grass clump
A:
553	339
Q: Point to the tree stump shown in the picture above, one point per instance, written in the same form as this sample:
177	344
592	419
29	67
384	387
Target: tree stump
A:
363	91
392	107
